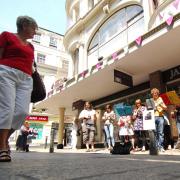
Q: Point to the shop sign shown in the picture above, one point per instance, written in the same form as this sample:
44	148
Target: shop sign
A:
123	78
171	74
37	118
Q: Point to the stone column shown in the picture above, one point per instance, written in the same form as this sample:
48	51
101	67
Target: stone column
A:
61	128
74	16
71	68
148	8
99	125
96	1
83	7
81	58
156	81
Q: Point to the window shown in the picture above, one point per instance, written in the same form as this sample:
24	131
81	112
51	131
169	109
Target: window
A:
90	4
37	38
118	30
53	42
41	58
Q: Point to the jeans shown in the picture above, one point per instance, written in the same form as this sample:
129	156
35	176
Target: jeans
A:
159	134
178	126
109	130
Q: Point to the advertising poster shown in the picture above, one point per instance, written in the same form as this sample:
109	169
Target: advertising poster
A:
148	120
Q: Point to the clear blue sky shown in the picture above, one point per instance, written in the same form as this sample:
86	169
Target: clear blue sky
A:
49	14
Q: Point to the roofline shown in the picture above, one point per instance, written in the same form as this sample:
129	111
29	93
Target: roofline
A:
51	31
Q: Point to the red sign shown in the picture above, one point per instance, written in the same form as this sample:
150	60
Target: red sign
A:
37	118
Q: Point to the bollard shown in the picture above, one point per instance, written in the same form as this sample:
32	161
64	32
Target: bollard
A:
152	146
45	145
51	148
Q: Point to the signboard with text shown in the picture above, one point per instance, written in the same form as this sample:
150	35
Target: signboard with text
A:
37	118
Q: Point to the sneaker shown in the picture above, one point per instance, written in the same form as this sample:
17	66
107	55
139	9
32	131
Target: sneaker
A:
143	149
161	150
169	147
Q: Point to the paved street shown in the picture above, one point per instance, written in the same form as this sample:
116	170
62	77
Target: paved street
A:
66	164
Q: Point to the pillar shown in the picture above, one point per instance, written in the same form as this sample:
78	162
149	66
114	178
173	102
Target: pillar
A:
83	7
71	68
95	2
81	59
78	106
74	16
156	81
61	128
148	8
99	125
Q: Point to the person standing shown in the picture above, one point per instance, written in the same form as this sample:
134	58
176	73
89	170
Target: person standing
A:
138	124
160	107
21	144
178	118
88	117
74	133
126	132
109	118
16	59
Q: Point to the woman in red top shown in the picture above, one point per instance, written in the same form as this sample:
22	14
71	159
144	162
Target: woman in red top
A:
16	59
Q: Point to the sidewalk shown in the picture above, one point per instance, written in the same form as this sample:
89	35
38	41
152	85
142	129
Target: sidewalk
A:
40	148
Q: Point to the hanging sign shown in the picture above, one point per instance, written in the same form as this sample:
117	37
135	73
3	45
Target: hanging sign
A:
123	78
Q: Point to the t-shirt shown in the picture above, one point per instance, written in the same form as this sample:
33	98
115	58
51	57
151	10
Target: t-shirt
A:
16	54
89	114
109	117
158	103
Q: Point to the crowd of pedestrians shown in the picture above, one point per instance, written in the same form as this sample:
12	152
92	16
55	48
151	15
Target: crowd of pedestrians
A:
130	125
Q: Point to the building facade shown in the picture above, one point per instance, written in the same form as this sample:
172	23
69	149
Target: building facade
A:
119	50
52	63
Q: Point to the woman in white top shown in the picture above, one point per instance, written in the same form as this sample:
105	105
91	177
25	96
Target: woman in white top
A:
74	133
88	116
109	118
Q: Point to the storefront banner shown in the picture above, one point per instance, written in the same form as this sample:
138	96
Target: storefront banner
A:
37	118
148	120
165	99
173	97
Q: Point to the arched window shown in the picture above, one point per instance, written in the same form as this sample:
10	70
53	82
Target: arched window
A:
116	32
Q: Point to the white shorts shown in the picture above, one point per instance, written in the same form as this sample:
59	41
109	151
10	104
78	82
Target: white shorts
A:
15	94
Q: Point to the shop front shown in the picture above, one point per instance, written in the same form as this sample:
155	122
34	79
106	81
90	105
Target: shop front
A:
39	124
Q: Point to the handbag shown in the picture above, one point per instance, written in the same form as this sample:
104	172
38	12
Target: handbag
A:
39	90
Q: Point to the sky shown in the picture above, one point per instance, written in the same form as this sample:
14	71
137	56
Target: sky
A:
49	14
